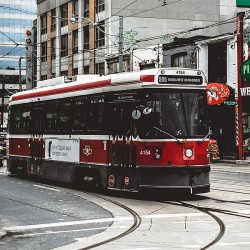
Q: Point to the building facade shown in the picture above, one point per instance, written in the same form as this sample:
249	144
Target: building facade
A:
105	29
15	17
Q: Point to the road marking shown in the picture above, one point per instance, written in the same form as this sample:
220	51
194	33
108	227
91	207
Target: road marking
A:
147	248
62	224
233	244
67	231
49	188
81	222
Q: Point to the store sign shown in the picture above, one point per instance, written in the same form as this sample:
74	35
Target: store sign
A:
245	69
245	91
217	93
243	3
66	150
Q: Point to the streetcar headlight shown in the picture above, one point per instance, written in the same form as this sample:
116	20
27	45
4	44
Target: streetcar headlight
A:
189	152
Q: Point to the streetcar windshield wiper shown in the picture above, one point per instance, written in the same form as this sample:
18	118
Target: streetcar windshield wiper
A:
209	131
164	132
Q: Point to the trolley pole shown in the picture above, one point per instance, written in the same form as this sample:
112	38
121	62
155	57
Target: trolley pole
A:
120	43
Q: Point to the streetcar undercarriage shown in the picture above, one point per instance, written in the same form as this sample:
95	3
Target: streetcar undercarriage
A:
193	179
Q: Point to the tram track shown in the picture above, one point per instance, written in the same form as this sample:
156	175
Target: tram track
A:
208	212
136	219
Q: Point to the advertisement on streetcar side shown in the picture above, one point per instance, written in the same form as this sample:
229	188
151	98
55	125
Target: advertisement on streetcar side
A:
66	150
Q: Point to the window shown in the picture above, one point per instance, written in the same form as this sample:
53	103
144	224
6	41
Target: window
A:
20	119
53	48
44	52
179	60
43	24
75	42
64	15
64	73
53	20
64	45
75	72
86	37
86	69
96	112
86	8
51	121
100	6
75	7
80	115
64	117
99	34
100	68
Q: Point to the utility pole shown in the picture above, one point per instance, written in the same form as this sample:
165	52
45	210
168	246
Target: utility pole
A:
120	43
238	113
20	74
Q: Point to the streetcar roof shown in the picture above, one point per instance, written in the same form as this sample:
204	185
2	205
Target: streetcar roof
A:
108	83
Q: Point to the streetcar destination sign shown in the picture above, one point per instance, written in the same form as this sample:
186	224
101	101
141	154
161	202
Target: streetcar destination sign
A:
177	79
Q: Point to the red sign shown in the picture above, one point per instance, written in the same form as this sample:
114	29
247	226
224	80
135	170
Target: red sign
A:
217	93
111	181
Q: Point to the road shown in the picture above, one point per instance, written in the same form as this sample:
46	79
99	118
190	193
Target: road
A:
41	216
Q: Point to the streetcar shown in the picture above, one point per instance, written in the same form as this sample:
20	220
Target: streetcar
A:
132	131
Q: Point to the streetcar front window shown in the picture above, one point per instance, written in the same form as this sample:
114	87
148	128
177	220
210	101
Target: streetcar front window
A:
177	114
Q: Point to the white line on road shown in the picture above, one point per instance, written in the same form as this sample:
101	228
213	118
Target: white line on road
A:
66	231
49	188
233	244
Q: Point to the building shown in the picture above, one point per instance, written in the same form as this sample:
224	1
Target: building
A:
16	17
106	29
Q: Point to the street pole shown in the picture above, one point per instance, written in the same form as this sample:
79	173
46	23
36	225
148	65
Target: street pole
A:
20	74
120	43
238	113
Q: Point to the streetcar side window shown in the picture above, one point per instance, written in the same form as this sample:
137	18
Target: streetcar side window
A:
20	119
96	112
64	116
80	115
51	117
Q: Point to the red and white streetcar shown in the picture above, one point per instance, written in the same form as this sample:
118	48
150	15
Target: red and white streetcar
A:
131	131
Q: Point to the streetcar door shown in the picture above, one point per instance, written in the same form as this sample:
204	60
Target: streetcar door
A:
122	149
36	141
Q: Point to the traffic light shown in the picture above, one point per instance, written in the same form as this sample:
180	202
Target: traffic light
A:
29	39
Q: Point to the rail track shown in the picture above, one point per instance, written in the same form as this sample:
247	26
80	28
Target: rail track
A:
208	212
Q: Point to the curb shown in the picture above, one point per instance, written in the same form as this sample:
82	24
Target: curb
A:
2	234
243	162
